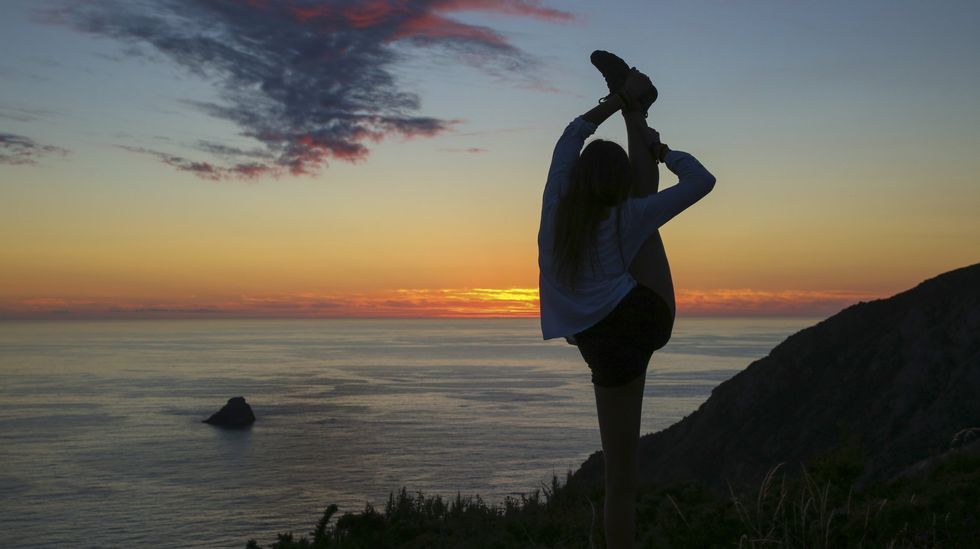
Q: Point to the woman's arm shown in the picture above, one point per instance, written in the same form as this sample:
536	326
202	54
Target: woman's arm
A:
694	182
601	112
570	145
571	141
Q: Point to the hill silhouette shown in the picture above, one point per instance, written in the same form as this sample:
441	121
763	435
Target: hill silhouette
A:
892	381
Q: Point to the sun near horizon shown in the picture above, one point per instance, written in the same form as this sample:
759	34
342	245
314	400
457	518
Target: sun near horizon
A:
421	303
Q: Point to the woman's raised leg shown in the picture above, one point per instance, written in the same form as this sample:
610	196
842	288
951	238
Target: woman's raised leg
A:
650	267
619	427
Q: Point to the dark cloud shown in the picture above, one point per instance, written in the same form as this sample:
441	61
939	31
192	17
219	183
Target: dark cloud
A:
312	81
207	170
229	152
20	150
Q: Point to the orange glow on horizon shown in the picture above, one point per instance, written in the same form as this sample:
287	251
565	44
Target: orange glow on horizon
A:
418	303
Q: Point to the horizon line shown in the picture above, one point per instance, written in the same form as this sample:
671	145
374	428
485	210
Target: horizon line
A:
445	303
121	317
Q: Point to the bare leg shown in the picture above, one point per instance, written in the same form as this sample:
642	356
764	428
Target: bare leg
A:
619	427
651	269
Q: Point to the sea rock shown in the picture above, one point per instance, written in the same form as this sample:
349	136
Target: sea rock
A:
892	380
236	414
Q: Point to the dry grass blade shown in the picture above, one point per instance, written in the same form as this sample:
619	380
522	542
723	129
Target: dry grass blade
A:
592	526
678	509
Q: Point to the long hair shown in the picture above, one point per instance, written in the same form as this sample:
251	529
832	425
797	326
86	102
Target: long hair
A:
600	179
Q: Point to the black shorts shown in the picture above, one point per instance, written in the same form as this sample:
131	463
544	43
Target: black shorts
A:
618	347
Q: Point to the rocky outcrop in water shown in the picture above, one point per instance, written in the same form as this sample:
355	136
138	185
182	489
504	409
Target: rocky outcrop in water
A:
236	414
897	380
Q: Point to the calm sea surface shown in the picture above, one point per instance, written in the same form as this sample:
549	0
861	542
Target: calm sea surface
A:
102	445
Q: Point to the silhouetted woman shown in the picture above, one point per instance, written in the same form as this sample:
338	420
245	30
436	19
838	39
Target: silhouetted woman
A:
605	282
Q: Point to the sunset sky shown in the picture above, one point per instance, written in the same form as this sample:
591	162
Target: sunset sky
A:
304	158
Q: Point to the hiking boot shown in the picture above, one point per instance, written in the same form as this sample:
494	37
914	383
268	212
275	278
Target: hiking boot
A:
613	69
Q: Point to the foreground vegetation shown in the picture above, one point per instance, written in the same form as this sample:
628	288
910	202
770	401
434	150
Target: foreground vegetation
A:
815	506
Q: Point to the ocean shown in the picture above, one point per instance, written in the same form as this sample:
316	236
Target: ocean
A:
102	445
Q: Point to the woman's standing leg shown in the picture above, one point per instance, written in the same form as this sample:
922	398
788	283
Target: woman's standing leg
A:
619	427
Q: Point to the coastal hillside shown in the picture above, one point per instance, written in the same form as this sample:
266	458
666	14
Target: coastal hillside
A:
890	382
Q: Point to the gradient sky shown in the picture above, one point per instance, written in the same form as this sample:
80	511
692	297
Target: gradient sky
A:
386	158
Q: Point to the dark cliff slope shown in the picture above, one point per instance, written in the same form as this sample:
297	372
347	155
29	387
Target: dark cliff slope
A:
896	378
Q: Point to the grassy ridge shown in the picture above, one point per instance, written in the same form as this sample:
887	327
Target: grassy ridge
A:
816	506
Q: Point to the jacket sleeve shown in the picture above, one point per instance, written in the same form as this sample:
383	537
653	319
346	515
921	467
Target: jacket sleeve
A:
694	182
566	153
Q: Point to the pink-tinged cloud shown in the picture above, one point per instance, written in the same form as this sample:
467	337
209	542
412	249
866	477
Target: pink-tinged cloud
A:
369	13
310	81
421	303
429	26
305	14
517	7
